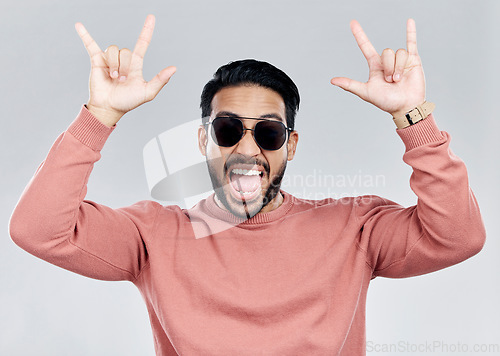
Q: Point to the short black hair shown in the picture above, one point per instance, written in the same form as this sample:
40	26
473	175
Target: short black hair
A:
252	72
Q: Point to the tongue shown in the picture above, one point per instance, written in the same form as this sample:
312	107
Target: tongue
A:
245	183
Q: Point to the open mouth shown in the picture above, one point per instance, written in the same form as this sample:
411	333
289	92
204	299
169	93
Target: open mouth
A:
245	183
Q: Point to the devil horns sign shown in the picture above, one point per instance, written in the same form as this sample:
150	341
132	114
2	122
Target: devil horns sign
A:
396	82
116	80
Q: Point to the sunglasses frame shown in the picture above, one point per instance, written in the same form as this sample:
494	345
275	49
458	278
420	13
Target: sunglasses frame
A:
241	118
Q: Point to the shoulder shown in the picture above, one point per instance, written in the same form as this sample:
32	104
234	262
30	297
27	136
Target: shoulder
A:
357	205
147	211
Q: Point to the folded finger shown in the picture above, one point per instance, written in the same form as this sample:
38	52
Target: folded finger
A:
125	59
400	65
112	59
388	60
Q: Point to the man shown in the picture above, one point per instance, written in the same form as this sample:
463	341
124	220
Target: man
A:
283	276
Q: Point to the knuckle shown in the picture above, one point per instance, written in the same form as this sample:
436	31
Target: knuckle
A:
401	52
111	48
387	51
144	39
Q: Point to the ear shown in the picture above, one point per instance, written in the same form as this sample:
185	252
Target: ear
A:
292	144
202	140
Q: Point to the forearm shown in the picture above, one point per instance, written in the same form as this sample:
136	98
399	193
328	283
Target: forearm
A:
446	204
54	194
52	221
106	117
445	227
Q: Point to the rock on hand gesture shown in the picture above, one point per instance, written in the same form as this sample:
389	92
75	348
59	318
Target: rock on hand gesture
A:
396	82
116	80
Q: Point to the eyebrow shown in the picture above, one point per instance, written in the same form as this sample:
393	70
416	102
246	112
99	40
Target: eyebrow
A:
265	116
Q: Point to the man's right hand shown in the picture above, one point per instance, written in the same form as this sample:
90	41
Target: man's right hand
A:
116	80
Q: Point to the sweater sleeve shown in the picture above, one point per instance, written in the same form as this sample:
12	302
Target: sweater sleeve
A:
53	221
444	227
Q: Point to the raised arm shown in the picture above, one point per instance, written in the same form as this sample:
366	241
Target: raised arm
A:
445	227
52	220
396	82
116	80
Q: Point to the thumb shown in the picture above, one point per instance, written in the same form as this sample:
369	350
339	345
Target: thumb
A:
352	86
158	82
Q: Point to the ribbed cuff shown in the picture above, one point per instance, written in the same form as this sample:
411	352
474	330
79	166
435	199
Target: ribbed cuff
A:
89	130
423	132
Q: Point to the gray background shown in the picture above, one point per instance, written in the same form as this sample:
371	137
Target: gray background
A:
45	310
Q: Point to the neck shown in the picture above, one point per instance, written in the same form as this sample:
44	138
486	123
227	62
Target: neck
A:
273	204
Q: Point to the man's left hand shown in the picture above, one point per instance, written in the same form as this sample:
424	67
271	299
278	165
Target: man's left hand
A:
396	82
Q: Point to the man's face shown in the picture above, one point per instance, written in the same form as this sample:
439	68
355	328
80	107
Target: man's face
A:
246	178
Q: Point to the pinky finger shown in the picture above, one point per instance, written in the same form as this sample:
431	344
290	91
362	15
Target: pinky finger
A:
154	86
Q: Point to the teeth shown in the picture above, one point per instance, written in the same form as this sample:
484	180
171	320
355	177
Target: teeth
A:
246	172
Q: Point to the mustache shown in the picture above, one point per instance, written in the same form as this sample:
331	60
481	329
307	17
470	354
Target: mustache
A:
242	159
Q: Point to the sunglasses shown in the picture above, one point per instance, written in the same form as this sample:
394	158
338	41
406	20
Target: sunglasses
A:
227	131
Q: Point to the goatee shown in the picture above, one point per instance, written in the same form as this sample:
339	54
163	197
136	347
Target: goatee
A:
242	209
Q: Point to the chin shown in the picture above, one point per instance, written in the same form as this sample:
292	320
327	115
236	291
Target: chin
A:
259	192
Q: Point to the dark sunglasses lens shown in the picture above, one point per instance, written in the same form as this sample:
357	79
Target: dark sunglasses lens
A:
226	131
270	135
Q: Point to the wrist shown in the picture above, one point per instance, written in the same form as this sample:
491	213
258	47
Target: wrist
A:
404	119
401	113
106	117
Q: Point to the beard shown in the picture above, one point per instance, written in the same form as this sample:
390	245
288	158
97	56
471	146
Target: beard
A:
242	208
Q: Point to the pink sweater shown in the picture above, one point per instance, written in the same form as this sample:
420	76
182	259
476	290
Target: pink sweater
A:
290	282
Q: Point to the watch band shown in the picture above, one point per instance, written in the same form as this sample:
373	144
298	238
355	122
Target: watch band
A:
415	115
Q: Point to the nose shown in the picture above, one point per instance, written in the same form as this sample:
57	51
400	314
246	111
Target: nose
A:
247	145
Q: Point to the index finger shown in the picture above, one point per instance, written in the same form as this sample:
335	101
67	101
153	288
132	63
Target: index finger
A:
411	37
363	42
145	37
89	43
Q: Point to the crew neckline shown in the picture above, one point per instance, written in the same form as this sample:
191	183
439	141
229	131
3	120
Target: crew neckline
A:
260	218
